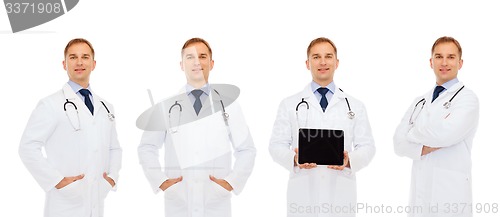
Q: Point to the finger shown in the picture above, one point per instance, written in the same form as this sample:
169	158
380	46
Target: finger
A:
105	175
74	178
212	178
178	179
296	150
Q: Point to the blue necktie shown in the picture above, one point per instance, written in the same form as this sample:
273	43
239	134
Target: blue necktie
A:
88	103
197	103
437	90
323	102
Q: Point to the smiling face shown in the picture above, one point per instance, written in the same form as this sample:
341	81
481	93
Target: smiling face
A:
446	61
196	63
79	63
322	62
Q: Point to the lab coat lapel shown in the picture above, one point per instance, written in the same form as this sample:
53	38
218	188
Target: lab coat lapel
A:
337	97
187	108
187	105
453	89
97	105
206	108
446	94
311	99
309	96
72	97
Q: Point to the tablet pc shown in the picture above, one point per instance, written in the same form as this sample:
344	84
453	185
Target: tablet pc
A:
321	146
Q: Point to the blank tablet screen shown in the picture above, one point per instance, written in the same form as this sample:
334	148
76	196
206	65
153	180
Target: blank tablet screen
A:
321	146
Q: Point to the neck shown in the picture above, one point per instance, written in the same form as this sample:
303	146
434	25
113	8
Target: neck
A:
84	84
323	83
197	84
441	82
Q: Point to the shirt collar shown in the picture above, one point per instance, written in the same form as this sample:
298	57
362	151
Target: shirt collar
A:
331	86
76	87
447	85
205	88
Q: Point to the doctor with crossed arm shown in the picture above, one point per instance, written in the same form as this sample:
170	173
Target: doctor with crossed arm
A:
437	133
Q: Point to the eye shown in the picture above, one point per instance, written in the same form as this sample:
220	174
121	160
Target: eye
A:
315	57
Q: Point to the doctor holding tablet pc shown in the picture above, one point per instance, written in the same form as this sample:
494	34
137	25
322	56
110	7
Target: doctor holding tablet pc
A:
307	119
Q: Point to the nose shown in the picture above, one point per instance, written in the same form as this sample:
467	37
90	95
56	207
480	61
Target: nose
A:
444	62
322	61
79	61
197	61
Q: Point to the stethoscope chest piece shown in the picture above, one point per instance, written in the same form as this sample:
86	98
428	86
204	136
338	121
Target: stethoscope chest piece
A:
351	115
111	117
447	105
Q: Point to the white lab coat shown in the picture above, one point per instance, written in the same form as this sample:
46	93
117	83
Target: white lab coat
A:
92	151
321	191
196	195
441	180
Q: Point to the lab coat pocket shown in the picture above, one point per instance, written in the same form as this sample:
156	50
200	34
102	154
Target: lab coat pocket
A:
344	192
104	188
72	192
175	191
299	188
451	188
215	192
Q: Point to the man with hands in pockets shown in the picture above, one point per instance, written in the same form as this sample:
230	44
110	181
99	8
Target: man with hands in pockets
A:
76	129
198	174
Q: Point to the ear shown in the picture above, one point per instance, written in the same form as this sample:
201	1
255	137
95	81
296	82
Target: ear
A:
181	65
93	65
337	64
460	63
307	65
430	61
64	65
211	64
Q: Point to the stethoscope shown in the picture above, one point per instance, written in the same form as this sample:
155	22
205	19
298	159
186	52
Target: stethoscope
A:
76	125
446	105
225	115
350	113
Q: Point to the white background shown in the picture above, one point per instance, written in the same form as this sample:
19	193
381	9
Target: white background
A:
383	47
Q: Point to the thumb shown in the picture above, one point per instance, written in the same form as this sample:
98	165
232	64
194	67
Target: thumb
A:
178	179
78	177
296	150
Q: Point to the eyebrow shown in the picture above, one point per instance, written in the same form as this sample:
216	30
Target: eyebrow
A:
317	54
72	54
439	54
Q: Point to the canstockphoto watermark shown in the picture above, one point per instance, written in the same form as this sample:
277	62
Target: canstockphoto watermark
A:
366	208
25	14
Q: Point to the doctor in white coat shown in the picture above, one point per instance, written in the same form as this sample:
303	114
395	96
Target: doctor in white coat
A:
436	133
198	174
320	190
82	154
